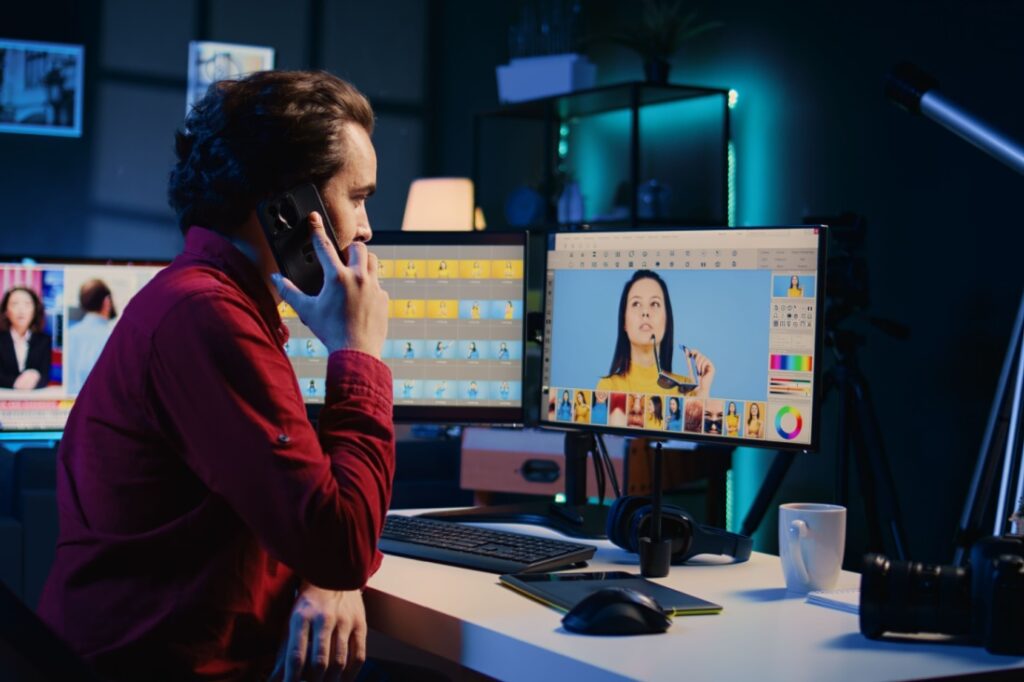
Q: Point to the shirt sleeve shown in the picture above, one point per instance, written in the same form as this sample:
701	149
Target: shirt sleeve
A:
230	395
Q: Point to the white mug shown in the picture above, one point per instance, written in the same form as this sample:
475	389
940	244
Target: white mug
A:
811	542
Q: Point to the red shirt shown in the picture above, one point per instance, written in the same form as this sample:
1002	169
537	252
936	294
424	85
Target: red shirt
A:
192	489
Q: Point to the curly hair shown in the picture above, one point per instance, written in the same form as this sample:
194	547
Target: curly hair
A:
251	138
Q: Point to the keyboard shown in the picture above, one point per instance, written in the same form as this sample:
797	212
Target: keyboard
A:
482	549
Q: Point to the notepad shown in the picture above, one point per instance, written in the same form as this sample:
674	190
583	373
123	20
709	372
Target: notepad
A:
564	590
843	600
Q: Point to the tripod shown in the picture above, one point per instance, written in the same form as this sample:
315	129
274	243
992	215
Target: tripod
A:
858	435
1001	460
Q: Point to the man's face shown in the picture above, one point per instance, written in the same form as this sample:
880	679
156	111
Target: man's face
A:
346	193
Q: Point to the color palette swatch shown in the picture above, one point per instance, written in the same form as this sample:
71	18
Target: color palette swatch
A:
778	385
792	363
789	422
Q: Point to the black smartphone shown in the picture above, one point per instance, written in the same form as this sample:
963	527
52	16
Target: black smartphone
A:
285	221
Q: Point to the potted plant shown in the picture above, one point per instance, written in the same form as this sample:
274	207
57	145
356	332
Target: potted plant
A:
658	33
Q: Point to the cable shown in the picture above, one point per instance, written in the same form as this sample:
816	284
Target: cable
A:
599	477
612	476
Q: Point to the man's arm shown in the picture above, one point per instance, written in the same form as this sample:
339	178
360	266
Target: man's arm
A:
231	396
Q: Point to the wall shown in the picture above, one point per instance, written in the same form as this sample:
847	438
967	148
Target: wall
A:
815	136
104	195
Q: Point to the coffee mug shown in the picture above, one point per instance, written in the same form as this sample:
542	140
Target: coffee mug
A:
811	542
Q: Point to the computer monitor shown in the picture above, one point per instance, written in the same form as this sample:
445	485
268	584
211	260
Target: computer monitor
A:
710	335
455	341
707	335
79	301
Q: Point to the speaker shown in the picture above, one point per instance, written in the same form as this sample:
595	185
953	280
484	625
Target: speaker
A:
629	519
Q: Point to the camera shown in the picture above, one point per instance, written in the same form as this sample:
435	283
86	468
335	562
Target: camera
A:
983	601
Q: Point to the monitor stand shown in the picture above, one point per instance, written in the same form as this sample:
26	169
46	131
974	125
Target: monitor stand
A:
575	517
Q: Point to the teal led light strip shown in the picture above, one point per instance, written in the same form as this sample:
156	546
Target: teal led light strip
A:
731	181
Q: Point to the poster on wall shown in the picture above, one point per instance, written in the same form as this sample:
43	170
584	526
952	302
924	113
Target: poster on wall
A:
41	88
209	62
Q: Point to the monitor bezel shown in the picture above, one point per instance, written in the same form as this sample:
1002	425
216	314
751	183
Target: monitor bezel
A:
816	399
459	414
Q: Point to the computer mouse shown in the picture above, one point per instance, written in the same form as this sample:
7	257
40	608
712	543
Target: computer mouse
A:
616	611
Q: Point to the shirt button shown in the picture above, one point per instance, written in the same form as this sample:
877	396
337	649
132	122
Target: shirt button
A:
283	438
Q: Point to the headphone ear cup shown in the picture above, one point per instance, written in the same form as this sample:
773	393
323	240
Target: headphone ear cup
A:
620	520
676	523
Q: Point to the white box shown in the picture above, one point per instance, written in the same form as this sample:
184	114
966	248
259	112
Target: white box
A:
534	77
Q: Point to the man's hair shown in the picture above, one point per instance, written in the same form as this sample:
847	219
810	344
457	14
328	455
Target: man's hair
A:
249	139
92	294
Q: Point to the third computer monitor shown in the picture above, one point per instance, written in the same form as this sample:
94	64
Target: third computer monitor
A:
709	334
455	328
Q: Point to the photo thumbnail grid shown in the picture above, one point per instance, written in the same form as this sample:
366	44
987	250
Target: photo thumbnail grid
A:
455	330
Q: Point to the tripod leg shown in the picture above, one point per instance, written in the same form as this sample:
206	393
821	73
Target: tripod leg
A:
876	478
770	486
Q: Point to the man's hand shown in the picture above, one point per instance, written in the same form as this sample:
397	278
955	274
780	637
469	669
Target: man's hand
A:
326	637
351	311
27	380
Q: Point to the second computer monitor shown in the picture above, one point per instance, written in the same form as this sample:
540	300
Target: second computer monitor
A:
455	328
700	334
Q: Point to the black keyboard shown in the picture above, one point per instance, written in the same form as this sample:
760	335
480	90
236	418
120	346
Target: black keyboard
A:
483	549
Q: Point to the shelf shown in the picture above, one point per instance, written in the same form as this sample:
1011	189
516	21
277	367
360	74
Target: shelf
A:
603	99
634	149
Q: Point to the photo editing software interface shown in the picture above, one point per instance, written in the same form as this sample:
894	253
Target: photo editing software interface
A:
455	333
81	304
713	334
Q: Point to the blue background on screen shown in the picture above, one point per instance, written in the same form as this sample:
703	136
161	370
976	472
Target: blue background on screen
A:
515	391
447	349
725	315
482	388
498	310
466	309
515	350
483	349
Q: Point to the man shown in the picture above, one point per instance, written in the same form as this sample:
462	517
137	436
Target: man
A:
203	522
86	339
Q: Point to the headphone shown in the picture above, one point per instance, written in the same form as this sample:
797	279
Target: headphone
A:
629	519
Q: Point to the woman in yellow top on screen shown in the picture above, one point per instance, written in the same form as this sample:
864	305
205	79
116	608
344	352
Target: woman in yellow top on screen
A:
754	422
732	421
642	360
653	418
581	410
795	290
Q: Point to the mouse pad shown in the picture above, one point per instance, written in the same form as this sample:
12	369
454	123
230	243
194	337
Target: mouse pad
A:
564	590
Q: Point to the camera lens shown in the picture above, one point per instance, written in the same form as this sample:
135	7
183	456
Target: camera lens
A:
909	596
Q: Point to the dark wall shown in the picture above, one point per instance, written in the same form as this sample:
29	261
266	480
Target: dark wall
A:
814	136
103	195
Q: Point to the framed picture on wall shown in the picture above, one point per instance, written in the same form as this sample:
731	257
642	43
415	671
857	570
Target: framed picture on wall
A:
41	88
209	62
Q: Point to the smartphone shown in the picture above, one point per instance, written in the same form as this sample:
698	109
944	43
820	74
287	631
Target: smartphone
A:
285	221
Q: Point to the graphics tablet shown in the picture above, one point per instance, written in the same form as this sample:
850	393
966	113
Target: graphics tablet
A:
564	590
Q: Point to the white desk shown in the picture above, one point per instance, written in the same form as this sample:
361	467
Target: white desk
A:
762	634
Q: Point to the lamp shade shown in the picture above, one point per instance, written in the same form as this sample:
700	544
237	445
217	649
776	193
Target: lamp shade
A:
439	204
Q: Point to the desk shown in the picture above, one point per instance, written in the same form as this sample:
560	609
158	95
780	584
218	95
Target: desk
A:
762	634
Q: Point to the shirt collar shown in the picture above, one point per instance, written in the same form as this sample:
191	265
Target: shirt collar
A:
206	246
